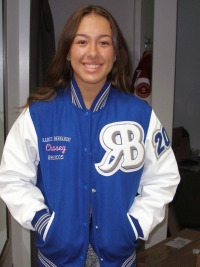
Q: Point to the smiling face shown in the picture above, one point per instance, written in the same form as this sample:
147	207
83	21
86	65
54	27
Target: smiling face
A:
92	53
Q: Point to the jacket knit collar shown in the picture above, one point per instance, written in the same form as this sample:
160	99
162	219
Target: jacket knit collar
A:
99	102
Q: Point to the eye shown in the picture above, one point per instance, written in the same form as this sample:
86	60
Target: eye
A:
104	43
82	42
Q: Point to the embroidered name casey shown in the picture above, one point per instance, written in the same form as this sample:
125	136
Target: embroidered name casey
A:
49	147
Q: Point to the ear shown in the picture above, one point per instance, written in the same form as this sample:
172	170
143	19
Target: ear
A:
68	57
114	58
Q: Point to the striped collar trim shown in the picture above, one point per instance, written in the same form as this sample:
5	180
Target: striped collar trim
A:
99	102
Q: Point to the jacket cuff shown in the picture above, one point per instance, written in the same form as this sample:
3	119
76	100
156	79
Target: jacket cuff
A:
137	226
40	221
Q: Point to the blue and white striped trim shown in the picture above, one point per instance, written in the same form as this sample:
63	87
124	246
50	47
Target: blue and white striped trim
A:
131	261
102	100
48	226
45	261
133	226
75	99
42	222
100	103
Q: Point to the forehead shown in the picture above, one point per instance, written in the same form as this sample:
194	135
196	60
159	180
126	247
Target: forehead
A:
93	23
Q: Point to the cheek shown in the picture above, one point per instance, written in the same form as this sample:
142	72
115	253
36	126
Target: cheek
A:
110	55
76	55
112	58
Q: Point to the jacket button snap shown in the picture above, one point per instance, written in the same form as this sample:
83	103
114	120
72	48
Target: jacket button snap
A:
93	190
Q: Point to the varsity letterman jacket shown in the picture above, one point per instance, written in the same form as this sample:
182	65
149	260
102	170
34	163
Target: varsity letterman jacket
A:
62	161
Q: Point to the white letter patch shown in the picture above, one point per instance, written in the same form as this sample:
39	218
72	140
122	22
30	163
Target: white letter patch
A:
124	146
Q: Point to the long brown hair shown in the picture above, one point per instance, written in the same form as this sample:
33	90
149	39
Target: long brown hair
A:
60	72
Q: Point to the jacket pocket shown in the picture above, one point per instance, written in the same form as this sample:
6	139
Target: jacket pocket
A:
48	226
132	232
42	222
135	230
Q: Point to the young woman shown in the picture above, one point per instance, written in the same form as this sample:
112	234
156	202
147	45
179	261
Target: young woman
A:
87	166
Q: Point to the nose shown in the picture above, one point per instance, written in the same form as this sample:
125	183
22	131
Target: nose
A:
93	51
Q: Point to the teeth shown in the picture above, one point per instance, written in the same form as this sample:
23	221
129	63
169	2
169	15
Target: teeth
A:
91	66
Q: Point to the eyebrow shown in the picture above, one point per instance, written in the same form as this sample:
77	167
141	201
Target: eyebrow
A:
86	35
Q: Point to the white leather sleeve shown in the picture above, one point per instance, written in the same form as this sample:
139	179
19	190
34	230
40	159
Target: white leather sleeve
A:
18	172
158	182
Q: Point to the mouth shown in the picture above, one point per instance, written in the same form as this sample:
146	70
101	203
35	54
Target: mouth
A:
92	66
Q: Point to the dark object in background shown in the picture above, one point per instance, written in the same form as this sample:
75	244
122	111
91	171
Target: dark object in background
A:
186	201
181	143
42	42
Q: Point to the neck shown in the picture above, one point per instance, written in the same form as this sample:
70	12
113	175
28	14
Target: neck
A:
89	96
89	92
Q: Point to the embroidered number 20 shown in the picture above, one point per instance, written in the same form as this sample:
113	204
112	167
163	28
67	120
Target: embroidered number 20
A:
161	141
